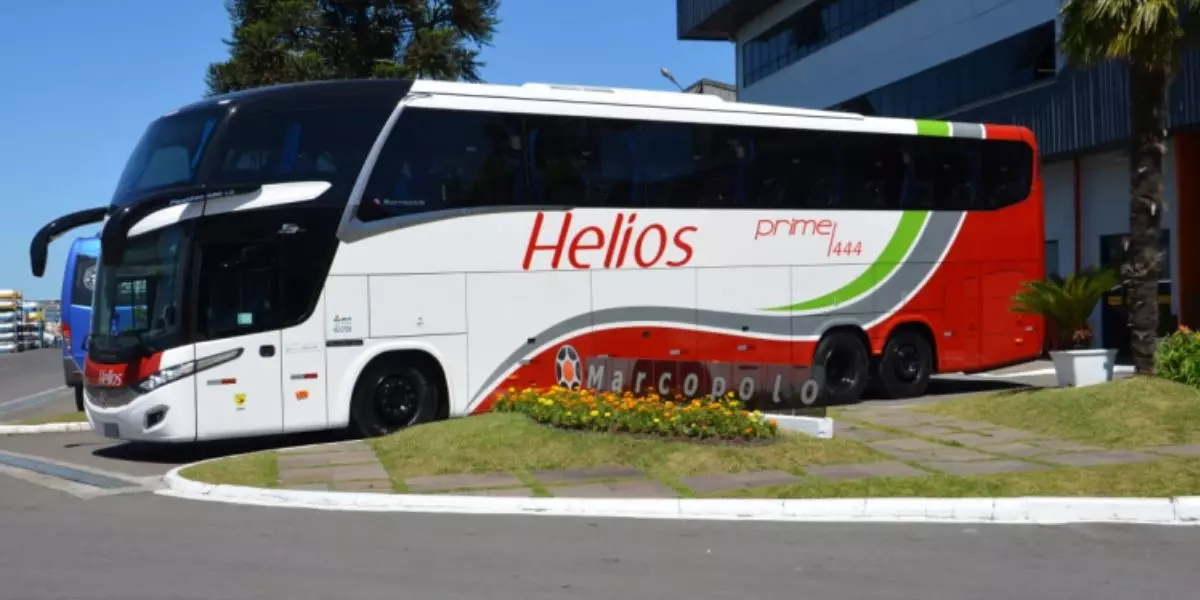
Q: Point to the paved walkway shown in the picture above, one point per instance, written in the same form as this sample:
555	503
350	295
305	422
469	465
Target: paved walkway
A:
911	444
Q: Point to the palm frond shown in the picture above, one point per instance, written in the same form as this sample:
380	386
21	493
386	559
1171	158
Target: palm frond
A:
1069	301
1146	31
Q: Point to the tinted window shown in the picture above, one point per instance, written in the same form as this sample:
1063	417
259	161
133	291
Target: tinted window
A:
83	281
1007	173
168	153
875	171
439	160
436	160
688	165
947	174
582	162
794	169
319	144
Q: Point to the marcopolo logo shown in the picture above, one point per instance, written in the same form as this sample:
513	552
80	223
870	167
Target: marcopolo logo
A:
762	387
568	367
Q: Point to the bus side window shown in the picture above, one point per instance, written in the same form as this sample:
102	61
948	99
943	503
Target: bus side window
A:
689	165
792	169
873	172
440	159
1007	172
947	171
582	161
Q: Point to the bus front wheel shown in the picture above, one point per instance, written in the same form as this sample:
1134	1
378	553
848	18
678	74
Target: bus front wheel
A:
906	365
391	395
845	366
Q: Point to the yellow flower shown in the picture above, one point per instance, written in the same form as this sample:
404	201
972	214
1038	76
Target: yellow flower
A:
595	413
608	414
656	420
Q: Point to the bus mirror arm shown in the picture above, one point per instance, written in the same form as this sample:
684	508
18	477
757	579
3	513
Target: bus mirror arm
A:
40	246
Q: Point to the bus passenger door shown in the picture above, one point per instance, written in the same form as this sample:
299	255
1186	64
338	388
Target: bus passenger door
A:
238	310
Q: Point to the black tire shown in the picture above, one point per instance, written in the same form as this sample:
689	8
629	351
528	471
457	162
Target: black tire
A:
79	398
844	366
906	365
391	395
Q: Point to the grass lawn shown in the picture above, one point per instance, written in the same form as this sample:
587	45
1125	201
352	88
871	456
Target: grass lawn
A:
260	469
513	443
1138	412
71	417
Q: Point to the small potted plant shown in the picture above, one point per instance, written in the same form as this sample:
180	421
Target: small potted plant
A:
1067	303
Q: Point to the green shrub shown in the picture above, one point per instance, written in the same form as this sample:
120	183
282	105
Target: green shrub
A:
724	418
1178	357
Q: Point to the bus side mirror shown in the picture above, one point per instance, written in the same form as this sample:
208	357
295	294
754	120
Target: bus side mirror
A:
40	246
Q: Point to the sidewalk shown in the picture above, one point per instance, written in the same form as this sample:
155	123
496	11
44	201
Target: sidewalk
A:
910	444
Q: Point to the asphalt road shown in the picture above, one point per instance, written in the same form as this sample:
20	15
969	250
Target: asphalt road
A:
56	542
31	385
145	546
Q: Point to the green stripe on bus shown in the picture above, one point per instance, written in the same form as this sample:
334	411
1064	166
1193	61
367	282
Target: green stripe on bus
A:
933	128
906	234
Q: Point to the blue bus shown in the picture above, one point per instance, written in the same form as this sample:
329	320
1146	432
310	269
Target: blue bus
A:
79	282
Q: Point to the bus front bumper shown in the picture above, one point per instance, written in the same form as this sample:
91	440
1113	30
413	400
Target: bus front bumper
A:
157	416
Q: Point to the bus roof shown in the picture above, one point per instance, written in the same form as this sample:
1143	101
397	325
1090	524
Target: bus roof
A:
586	100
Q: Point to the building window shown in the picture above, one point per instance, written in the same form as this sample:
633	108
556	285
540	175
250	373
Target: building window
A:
815	26
1007	65
1052	259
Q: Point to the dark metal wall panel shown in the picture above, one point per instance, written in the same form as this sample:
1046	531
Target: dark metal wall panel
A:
1083	110
715	19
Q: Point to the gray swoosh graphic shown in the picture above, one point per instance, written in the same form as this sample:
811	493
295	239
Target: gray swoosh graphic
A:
938	234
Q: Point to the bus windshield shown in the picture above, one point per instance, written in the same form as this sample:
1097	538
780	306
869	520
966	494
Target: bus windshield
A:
167	155
137	304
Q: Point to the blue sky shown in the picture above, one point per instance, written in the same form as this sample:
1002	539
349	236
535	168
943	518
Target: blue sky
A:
84	78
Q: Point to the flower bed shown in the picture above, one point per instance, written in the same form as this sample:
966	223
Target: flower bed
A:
725	418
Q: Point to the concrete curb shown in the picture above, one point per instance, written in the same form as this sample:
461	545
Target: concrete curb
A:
44	428
1036	510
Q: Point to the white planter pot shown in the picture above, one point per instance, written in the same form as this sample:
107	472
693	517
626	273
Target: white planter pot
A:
1077	368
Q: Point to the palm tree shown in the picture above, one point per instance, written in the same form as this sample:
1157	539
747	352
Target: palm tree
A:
1148	35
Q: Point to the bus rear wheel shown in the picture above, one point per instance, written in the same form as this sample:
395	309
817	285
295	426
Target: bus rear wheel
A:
391	395
906	365
845	367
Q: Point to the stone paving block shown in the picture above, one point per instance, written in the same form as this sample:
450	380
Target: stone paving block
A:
976	439
985	467
936	431
291	476
354	446
310	487
865	471
906	444
971	425
902	420
720	482
586	474
449	482
921	450
1187	450
617	489
381	486
859	433
359	472
522	492
1065	446
300	461
1089	459
1021	449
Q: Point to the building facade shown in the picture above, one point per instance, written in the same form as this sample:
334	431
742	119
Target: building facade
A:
992	61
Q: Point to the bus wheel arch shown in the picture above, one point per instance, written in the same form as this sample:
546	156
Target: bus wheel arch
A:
397	389
842	364
908	361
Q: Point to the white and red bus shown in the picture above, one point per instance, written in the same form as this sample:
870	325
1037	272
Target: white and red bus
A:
384	253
